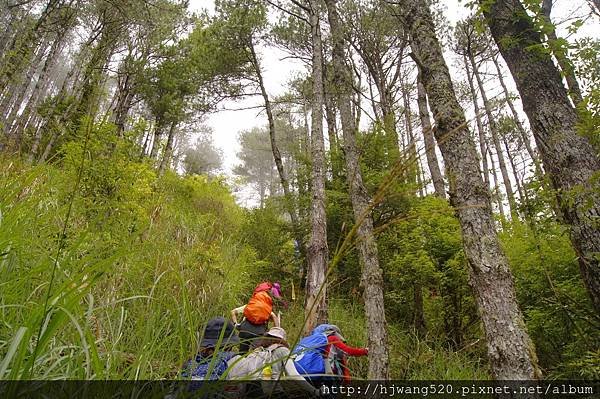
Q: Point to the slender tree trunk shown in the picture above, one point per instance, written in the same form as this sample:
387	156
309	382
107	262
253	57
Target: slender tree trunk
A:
372	275
561	57
21	94
497	194
330	117
568	157
495	137
413	170
146	143
37	138
283	176
88	101
595	4
14	64
389	125
41	86
316	295
456	321
418	311
427	131
386	102
124	98
158	132
513	167
168	152
482	141
524	136
49	147
510	350
11	28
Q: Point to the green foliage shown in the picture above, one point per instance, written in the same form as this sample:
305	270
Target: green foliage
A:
424	249
559	316
142	263
270	236
587	66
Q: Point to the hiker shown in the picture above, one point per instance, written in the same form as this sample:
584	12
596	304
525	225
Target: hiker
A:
257	314
269	362
318	355
210	363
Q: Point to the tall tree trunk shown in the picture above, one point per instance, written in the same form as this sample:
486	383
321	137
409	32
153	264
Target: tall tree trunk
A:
495	137
561	57
21	94
41	86
93	77
418	311
595	4
510	349
330	117
13	65
372	275
497	194
146	142
386	102
413	170
568	157
168	152
124	97
389	125
14	17
290	202
524	136
158	132
316	293
482	141
37	138
513	166
427	131
49	146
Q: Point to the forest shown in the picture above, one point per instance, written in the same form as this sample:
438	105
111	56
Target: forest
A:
427	179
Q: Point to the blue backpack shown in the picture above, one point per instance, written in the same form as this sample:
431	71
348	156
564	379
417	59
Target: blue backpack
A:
310	350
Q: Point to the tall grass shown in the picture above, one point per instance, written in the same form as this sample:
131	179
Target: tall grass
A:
144	262
133	284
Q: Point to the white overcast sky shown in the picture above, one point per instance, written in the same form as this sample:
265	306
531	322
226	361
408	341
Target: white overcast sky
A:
227	124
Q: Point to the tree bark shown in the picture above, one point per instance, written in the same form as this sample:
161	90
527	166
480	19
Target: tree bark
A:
168	152
316	295
372	275
510	350
427	131
568	157
495	137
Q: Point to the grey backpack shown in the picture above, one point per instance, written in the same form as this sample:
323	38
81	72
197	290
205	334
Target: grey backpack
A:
250	367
